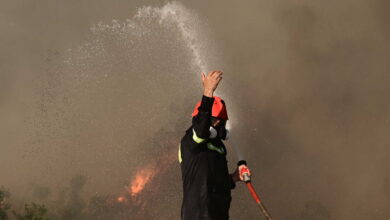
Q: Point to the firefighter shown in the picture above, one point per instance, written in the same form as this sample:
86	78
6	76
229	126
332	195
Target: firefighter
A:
202	156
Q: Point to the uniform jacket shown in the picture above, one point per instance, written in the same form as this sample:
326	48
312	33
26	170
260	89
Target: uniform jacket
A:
205	175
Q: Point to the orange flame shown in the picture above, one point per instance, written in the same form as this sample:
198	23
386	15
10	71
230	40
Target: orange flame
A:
145	174
121	199
141	179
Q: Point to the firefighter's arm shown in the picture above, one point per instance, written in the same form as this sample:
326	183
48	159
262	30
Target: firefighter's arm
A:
201	122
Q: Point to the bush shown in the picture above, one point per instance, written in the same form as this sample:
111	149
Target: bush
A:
32	211
4	206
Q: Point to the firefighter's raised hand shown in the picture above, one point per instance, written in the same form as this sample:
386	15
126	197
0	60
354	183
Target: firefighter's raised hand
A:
210	82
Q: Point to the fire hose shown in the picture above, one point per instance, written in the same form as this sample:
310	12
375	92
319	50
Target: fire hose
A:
252	191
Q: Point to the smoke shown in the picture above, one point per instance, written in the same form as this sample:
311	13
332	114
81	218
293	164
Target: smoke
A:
314	119
306	86
104	109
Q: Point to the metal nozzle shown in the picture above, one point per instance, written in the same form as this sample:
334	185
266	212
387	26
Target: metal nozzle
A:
247	178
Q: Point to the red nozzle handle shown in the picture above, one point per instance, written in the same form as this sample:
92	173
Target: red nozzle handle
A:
244	171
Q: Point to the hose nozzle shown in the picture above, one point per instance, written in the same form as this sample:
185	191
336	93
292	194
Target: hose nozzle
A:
244	171
247	178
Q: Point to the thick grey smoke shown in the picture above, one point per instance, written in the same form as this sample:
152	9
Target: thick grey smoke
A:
313	119
86	101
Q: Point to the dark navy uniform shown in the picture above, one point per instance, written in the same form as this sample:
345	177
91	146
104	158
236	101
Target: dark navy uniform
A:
205	175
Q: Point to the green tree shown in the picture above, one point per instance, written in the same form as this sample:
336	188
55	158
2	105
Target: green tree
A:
32	211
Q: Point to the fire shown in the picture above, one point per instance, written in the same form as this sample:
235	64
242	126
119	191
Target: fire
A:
141	179
147	172
121	199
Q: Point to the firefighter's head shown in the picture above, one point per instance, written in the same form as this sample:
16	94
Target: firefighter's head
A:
218	118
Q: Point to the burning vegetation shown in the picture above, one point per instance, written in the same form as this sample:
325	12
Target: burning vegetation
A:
141	178
71	205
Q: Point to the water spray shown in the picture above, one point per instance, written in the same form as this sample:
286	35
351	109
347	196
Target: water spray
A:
252	191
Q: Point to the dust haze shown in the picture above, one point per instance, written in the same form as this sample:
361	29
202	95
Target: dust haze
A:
92	92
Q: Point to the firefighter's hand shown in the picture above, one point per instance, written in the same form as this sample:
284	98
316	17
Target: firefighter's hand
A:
210	82
238	175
